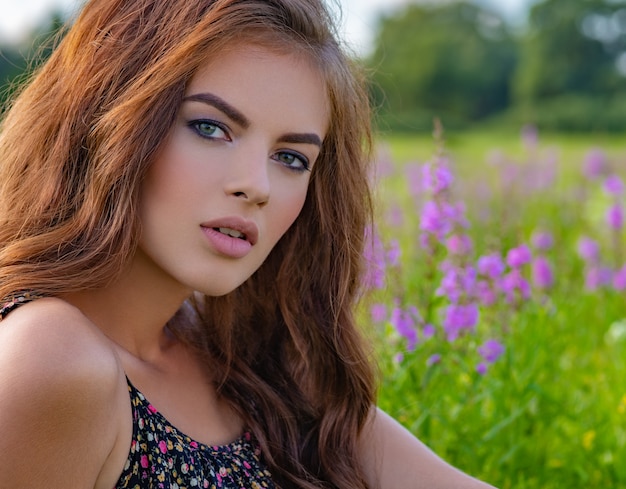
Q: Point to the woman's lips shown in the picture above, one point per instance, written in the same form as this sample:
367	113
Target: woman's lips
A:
218	232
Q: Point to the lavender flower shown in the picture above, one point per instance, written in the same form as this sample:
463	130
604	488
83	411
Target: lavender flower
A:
428	331
433	220
619	279
542	275
597	277
374	255
518	257
491	266
595	163
457	282
459	244
615	216
588	249
437	177
613	185
542	240
455	213
404	323
481	368
486	293
459	317
491	350
394	253
433	359
515	286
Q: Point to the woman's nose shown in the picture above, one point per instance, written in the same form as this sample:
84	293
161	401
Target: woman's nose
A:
248	176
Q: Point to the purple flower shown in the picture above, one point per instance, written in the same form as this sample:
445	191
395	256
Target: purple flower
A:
615	216
518	257
481	368
404	323
393	255
378	313
597	277
491	350
428	331
588	249
543	278
437	177
491	266
619	279
375	267
455	213
485	293
595	163
433	359
542	240
613	185
457	282
515	286
433	220
451	285
459	244
459	317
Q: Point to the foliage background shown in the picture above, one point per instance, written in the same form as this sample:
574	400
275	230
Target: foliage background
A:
564	70
550	411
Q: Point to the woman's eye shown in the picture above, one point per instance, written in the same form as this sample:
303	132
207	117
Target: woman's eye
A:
292	160
209	130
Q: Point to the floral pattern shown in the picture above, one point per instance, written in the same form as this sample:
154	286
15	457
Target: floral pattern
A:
161	457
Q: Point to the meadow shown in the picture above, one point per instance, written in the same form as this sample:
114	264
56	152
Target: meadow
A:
496	282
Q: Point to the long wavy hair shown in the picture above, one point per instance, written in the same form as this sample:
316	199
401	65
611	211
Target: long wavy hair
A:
74	148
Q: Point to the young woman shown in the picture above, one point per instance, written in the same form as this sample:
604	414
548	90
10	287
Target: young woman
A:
183	194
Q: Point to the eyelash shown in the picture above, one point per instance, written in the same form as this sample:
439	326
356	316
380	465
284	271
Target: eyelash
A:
304	162
196	124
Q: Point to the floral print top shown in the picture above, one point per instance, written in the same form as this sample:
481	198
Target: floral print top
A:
161	457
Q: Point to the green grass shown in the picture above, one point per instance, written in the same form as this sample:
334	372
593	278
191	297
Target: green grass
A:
550	413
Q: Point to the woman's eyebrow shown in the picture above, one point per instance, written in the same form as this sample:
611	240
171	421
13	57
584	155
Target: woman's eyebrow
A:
301	138
221	105
240	119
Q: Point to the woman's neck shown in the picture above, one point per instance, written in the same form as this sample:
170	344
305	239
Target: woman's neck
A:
134	309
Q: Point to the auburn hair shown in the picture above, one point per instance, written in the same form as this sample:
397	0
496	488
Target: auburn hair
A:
74	148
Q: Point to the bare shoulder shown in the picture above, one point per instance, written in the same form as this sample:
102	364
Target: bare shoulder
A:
60	384
48	341
393	457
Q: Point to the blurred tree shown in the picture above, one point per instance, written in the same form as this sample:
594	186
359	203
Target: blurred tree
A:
20	59
573	55
572	47
452	60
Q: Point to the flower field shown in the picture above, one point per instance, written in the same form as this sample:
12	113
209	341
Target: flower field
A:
497	287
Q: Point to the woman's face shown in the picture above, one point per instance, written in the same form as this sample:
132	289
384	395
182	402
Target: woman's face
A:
233	174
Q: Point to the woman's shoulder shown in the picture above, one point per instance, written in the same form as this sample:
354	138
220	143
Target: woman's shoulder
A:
61	388
51	337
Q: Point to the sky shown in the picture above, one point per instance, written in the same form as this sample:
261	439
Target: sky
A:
358	21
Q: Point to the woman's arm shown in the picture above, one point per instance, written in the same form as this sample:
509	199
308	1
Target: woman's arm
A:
394	458
59	388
